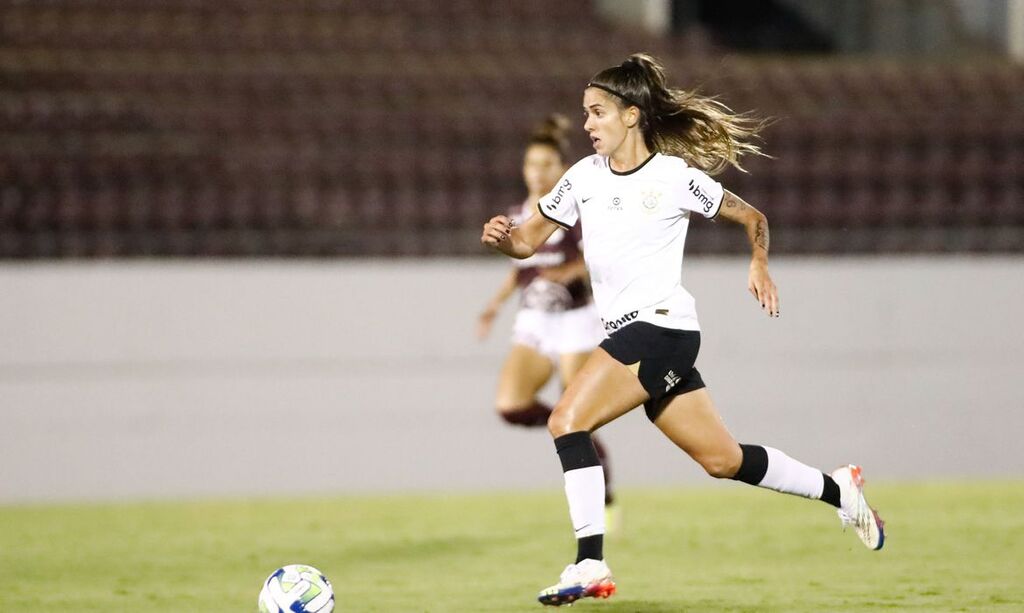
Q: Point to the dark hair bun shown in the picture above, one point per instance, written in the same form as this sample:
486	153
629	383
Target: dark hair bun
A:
553	132
554	126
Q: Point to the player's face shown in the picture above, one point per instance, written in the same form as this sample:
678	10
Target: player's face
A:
605	120
542	167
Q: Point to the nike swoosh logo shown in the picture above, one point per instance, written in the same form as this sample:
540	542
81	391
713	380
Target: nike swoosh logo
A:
582	527
584	201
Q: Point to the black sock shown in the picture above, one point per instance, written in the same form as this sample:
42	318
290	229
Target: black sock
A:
576	450
830	493
590	548
754	465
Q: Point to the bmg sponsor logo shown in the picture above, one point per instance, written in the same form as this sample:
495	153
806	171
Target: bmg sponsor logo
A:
701	196
563	189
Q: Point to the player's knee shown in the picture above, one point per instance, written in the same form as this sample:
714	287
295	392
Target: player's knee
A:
721	466
561	422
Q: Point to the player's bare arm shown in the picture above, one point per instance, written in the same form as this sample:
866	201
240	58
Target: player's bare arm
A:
756	224
486	318
517	241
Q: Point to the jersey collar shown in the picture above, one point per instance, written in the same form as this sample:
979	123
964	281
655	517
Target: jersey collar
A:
629	172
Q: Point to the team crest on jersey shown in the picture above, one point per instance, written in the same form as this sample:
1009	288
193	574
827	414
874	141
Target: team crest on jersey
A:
650	201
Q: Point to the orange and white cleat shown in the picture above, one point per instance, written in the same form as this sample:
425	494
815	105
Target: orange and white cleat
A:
588	579
855	510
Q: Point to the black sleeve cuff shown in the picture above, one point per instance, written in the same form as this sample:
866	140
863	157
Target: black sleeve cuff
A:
550	218
719	209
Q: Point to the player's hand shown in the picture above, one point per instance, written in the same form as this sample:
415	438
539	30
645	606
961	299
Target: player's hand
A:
485	321
498	229
761	286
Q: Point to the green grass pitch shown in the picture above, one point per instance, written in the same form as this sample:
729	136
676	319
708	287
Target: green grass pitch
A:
951	547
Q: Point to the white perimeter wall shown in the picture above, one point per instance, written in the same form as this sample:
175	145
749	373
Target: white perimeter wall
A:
168	379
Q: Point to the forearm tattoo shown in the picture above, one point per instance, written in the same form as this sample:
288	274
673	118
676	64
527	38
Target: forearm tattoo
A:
733	202
761	238
736	205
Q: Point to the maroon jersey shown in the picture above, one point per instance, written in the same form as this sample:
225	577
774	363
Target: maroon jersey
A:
562	247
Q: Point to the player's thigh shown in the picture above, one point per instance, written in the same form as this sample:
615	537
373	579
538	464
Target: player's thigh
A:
601	391
524	372
692	422
569	364
574	334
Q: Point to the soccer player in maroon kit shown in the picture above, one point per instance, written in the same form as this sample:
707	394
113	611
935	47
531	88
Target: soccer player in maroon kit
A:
557	325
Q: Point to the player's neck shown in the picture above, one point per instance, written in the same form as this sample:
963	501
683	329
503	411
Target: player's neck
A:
630	154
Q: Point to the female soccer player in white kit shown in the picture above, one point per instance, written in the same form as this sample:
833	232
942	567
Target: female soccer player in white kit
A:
655	147
557	323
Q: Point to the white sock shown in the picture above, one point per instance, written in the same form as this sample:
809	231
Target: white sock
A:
584	489
790	476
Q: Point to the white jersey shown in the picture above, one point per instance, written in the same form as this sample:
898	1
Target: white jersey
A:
634	230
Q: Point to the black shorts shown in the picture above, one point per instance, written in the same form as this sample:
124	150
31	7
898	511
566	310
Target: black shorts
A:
664	358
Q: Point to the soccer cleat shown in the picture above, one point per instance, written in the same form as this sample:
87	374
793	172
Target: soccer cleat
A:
588	579
854	510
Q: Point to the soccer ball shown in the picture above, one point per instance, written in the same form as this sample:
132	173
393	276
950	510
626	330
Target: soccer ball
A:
297	588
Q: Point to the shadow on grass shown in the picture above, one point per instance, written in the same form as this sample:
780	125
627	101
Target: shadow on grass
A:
673	606
647	606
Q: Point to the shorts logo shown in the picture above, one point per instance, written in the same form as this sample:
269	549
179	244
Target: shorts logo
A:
621	321
616	204
671	379
701	197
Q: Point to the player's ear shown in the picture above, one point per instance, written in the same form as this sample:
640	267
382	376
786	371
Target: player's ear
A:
632	116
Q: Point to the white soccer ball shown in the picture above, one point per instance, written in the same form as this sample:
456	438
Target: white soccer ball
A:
297	588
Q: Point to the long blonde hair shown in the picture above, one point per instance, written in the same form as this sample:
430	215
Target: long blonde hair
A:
699	129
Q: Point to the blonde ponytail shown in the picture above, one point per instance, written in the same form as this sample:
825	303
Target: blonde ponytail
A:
699	129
